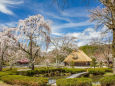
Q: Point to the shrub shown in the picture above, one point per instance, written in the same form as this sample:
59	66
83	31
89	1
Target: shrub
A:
42	70
74	82
108	81
96	71
9	71
57	71
99	71
108	69
74	70
51	71
3	74
24	80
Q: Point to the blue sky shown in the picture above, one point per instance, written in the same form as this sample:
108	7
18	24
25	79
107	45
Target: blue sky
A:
72	19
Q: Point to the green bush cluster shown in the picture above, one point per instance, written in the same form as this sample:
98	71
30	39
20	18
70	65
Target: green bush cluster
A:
9	71
3	74
74	82
24	80
108	81
99	71
108	69
39	71
74	70
50	71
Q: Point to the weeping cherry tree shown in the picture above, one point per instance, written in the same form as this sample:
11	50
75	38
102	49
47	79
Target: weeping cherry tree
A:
31	32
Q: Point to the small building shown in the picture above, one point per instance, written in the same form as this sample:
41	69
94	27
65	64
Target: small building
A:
77	58
24	61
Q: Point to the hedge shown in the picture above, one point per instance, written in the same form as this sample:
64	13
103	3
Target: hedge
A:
108	81
108	69
74	70
3	74
51	71
24	80
99	71
74	82
40	71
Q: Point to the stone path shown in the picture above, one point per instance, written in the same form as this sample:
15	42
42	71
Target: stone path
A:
77	75
23	69
72	76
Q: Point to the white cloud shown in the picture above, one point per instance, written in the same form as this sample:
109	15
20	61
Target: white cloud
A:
58	28
88	34
55	16
57	34
76	12
69	25
4	4
8	24
85	36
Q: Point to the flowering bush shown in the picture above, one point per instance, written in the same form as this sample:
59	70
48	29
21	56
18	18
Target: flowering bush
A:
23	61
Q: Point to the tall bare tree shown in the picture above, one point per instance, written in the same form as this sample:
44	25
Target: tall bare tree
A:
62	47
106	16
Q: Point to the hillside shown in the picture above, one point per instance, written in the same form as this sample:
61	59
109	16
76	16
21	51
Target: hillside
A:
89	49
100	52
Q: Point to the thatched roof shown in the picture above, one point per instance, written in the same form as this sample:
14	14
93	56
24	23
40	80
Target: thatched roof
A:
77	56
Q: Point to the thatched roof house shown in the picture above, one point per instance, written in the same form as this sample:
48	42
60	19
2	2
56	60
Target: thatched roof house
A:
78	58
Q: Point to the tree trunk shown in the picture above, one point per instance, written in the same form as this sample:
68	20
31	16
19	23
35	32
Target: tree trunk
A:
31	54
108	62
33	66
113	50
11	66
1	62
0	65
2	58
56	60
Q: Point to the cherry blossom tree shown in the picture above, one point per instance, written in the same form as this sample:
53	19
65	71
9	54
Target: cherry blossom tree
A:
14	55
6	44
31	33
3	48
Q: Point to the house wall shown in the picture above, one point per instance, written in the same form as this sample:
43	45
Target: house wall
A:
78	64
